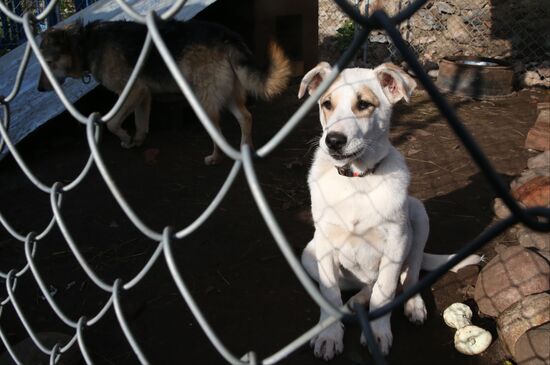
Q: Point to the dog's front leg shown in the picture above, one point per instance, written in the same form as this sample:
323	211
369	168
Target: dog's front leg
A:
385	286
128	106
142	114
330	342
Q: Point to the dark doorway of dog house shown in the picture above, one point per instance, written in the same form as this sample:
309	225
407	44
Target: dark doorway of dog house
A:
293	24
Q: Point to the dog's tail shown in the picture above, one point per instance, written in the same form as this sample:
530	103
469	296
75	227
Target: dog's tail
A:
264	82
431	262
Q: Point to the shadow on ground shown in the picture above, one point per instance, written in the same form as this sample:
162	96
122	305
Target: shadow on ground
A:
231	264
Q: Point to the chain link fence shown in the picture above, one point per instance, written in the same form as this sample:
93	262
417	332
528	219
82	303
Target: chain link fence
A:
535	218
512	30
11	32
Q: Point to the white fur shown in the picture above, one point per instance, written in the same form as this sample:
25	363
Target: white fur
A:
369	233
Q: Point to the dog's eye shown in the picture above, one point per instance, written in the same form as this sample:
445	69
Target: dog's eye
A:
362	105
327	104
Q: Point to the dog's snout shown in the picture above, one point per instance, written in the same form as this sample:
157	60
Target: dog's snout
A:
335	141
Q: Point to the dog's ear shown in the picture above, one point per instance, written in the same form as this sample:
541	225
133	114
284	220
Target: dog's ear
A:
395	82
75	28
313	78
74	25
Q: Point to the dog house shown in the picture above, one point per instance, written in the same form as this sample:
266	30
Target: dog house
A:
292	23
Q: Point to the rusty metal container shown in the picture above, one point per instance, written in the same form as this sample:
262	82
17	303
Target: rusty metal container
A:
477	77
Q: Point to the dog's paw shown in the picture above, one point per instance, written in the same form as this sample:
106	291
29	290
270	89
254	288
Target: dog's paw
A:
329	343
138	142
362	298
213	160
415	309
127	144
382	333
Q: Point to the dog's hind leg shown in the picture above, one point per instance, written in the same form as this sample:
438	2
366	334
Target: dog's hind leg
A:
415	309
217	156
238	108
309	262
114	125
142	114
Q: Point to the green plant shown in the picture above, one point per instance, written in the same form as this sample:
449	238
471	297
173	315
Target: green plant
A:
345	34
66	8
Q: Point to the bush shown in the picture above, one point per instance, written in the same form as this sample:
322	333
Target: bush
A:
345	34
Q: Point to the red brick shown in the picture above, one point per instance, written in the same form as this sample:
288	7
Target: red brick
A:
533	347
535	192
510	276
530	312
543	120
538	139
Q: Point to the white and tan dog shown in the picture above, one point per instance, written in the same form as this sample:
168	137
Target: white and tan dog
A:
369	233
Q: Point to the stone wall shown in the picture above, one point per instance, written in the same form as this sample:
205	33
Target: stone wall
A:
514	30
330	19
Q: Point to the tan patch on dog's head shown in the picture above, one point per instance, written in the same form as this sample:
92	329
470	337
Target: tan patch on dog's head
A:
56	50
55	42
329	100
363	103
366	102
62	51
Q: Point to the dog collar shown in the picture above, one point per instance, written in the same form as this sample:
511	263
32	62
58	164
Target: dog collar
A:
348	172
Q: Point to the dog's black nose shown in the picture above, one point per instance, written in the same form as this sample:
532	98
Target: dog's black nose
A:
335	141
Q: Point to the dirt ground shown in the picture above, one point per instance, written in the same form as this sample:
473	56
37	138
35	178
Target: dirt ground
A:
232	264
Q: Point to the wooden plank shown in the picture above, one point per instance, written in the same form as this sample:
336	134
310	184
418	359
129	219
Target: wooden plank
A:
30	109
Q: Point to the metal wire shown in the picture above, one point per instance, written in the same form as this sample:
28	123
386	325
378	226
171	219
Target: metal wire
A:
124	324
536	218
369	336
512	31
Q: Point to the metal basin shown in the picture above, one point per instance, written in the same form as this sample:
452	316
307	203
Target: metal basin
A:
477	77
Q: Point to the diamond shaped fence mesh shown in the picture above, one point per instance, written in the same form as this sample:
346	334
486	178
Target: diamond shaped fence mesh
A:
378	21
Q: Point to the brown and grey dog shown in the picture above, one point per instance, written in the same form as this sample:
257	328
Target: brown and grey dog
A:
215	61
